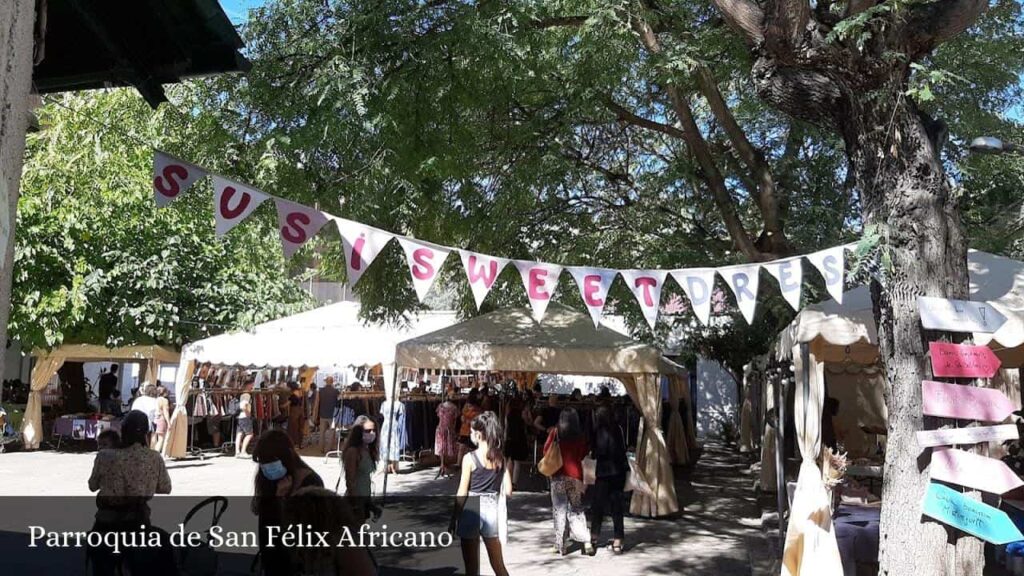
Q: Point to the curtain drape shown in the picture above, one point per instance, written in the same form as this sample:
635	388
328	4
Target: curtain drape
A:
32	426
678	448
811	548
652	453
176	443
768	467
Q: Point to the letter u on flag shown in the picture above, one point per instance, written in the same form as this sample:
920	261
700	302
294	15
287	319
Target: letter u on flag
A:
171	177
425	262
232	203
594	284
362	245
482	271
297	224
646	286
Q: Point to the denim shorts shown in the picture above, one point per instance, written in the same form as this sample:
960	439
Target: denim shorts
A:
479	516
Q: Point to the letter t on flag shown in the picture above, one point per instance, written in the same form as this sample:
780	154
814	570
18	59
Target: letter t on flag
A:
646	286
362	245
482	271
232	203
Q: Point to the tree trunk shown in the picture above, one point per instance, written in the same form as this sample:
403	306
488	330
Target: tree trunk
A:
16	20
906	194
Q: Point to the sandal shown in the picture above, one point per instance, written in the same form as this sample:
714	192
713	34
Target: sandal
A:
616	549
589	549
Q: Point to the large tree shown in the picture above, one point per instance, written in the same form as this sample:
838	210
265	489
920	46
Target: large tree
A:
646	133
96	262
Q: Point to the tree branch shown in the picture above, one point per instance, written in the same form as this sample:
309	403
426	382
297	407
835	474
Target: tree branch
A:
558	22
743	16
785	22
629	117
931	24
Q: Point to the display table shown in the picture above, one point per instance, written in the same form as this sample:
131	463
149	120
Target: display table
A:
82	427
857	536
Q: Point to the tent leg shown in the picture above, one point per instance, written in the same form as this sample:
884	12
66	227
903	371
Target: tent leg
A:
780	461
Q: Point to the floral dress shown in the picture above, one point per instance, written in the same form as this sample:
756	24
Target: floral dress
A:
446	438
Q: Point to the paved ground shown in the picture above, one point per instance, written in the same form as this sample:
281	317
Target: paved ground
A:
716	533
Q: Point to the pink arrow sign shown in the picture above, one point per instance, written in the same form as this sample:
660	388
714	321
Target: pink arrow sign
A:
965	402
973	471
962	360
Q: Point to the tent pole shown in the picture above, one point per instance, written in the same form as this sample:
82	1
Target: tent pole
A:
780	461
391	426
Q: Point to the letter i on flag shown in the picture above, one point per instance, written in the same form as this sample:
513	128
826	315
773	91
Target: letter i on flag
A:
594	284
171	177
540	280
482	271
646	286
832	267
698	284
362	245
297	224
232	203
425	262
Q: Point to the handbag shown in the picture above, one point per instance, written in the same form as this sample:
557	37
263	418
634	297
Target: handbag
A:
589	470
551	463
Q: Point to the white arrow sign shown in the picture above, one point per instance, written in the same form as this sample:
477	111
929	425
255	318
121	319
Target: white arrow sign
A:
959	315
953	436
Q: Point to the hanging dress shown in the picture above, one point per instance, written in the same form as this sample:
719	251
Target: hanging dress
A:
446	438
392	431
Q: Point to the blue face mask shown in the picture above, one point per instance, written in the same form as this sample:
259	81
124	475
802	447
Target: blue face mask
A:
273	471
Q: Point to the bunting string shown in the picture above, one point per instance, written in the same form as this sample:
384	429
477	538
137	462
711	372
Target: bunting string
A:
233	202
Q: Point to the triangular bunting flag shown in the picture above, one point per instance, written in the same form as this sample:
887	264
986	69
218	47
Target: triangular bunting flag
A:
362	245
646	286
540	280
232	203
297	224
171	177
594	284
831	264
743	282
482	271
698	284
425	262
789	273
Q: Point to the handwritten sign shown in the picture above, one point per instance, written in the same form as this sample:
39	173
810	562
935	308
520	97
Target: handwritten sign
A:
962	360
975	518
973	471
964	402
974	435
959	315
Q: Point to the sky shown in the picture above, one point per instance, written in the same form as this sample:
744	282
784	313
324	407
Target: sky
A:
237	10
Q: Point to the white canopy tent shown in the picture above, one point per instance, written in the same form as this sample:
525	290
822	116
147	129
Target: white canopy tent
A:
834	333
326	337
566	342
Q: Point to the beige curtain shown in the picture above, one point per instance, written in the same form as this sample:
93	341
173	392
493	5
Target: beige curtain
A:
746	425
768	468
652	454
32	425
176	444
811	548
678	448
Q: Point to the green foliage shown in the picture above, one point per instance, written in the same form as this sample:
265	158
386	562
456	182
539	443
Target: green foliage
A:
97	262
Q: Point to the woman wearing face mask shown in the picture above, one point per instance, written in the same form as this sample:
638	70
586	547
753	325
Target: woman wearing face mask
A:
359	456
281	473
486	480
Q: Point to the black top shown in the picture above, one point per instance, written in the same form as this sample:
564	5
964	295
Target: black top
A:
482	480
277	559
610	452
549	418
328	401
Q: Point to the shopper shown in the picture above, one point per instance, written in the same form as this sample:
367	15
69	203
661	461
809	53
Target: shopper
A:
518	449
480	505
469	411
328	400
244	420
296	414
610	453
446	437
359	457
281	473
548	417
163	417
323	512
125	479
567	483
107	385
147	404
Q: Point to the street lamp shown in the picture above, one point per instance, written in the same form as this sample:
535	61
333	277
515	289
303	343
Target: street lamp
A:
993	145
